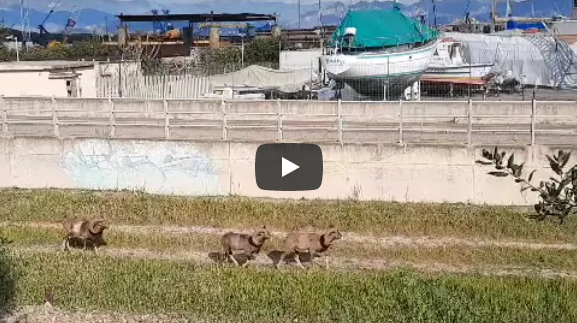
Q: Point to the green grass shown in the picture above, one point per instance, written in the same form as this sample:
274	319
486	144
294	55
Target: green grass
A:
363	217
453	255
82	282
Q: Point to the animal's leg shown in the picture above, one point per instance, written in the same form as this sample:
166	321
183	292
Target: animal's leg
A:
96	247
246	262
298	260
312	255
231	257
84	245
249	257
65	243
280	259
224	255
327	261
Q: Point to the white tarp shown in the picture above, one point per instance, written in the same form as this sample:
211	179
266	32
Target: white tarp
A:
532	60
284	80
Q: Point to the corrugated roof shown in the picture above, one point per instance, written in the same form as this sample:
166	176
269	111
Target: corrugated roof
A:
383	28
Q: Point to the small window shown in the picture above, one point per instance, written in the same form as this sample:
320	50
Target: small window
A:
69	88
217	92
249	92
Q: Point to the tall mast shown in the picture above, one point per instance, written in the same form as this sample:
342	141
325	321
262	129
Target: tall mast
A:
494	16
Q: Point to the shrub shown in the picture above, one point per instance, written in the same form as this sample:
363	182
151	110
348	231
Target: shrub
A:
557	196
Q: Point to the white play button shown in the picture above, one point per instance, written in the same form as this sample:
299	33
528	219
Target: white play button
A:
288	167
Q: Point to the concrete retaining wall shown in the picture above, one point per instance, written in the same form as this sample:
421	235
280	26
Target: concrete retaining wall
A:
393	173
489	112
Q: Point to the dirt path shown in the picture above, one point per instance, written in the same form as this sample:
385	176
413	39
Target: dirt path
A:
384	241
336	263
49	314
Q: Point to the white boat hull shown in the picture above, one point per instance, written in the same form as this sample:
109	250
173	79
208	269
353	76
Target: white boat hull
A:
457	72
367	73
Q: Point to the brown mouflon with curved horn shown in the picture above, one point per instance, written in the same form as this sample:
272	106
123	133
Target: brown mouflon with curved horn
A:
311	243
247	244
85	230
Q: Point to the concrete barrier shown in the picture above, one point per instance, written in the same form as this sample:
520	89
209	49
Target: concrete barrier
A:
470	122
456	111
410	173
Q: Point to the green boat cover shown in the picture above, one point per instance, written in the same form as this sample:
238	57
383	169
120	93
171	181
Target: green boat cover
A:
382	28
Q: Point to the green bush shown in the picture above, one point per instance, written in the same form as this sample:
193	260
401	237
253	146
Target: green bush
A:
257	52
557	196
86	49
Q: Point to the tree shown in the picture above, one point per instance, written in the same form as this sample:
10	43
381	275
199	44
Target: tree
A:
557	196
85	49
5	53
3	34
259	51
262	50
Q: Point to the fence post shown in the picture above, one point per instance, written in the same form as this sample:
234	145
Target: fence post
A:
224	123
55	118
400	122
340	120
533	116
279	120
166	119
112	117
470	122
4	115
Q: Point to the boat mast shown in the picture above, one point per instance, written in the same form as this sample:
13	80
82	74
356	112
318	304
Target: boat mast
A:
434	14
299	11
494	16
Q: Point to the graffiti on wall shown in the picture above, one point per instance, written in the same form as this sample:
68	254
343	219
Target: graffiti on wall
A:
157	167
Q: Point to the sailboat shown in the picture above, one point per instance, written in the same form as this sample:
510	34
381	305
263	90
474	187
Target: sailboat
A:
448	64
379	51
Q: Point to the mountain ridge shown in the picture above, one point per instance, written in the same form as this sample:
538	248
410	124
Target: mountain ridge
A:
97	15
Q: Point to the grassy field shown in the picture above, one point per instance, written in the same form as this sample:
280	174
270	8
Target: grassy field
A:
198	290
81	282
458	220
207	243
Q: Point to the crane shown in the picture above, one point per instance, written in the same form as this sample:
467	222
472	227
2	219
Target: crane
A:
41	28
71	21
159	26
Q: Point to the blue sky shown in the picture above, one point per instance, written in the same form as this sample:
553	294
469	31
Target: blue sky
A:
286	1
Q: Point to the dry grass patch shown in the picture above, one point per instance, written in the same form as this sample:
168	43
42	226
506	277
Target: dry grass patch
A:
383	218
209	244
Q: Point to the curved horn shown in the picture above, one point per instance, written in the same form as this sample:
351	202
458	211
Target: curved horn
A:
94	224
